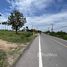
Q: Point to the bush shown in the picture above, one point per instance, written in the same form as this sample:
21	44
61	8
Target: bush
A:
59	34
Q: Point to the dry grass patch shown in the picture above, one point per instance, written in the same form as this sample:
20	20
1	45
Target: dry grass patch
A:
12	50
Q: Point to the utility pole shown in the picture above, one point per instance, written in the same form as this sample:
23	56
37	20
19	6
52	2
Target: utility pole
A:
48	29
33	30
52	27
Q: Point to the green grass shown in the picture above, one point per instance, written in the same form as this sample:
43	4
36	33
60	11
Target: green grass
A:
11	36
60	34
3	62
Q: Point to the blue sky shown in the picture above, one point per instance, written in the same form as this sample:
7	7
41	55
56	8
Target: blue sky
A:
39	13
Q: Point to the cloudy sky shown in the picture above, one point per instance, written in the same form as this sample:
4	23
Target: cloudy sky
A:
40	14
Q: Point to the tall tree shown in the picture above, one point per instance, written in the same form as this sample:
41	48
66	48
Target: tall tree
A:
17	20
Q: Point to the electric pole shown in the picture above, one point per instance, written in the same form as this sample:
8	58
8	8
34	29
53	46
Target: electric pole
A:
52	27
48	29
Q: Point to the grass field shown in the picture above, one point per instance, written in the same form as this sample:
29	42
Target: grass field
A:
12	45
59	34
11	36
3	62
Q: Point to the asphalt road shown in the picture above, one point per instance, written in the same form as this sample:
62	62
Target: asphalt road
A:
45	51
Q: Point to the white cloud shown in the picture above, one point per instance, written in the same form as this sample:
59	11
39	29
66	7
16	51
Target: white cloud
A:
60	17
4	16
59	20
29	6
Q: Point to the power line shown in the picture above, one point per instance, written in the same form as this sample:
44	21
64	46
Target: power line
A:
60	27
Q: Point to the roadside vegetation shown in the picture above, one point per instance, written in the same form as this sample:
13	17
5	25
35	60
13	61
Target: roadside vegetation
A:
11	36
13	43
3	57
59	34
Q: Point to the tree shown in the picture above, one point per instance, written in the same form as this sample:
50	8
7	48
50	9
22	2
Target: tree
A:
17	20
27	29
5	23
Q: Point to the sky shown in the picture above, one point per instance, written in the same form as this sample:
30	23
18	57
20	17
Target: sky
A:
40	14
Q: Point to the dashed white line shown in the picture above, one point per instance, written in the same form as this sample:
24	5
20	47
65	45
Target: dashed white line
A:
40	54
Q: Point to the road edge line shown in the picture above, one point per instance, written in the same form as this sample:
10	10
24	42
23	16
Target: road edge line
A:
40	54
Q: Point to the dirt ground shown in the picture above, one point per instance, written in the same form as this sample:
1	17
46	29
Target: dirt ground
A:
4	45
10	47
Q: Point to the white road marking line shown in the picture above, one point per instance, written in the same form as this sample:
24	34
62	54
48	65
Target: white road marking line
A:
40	54
59	43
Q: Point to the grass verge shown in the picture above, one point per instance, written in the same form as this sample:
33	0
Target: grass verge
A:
10	36
16	42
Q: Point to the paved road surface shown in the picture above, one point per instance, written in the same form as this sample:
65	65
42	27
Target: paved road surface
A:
45	51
